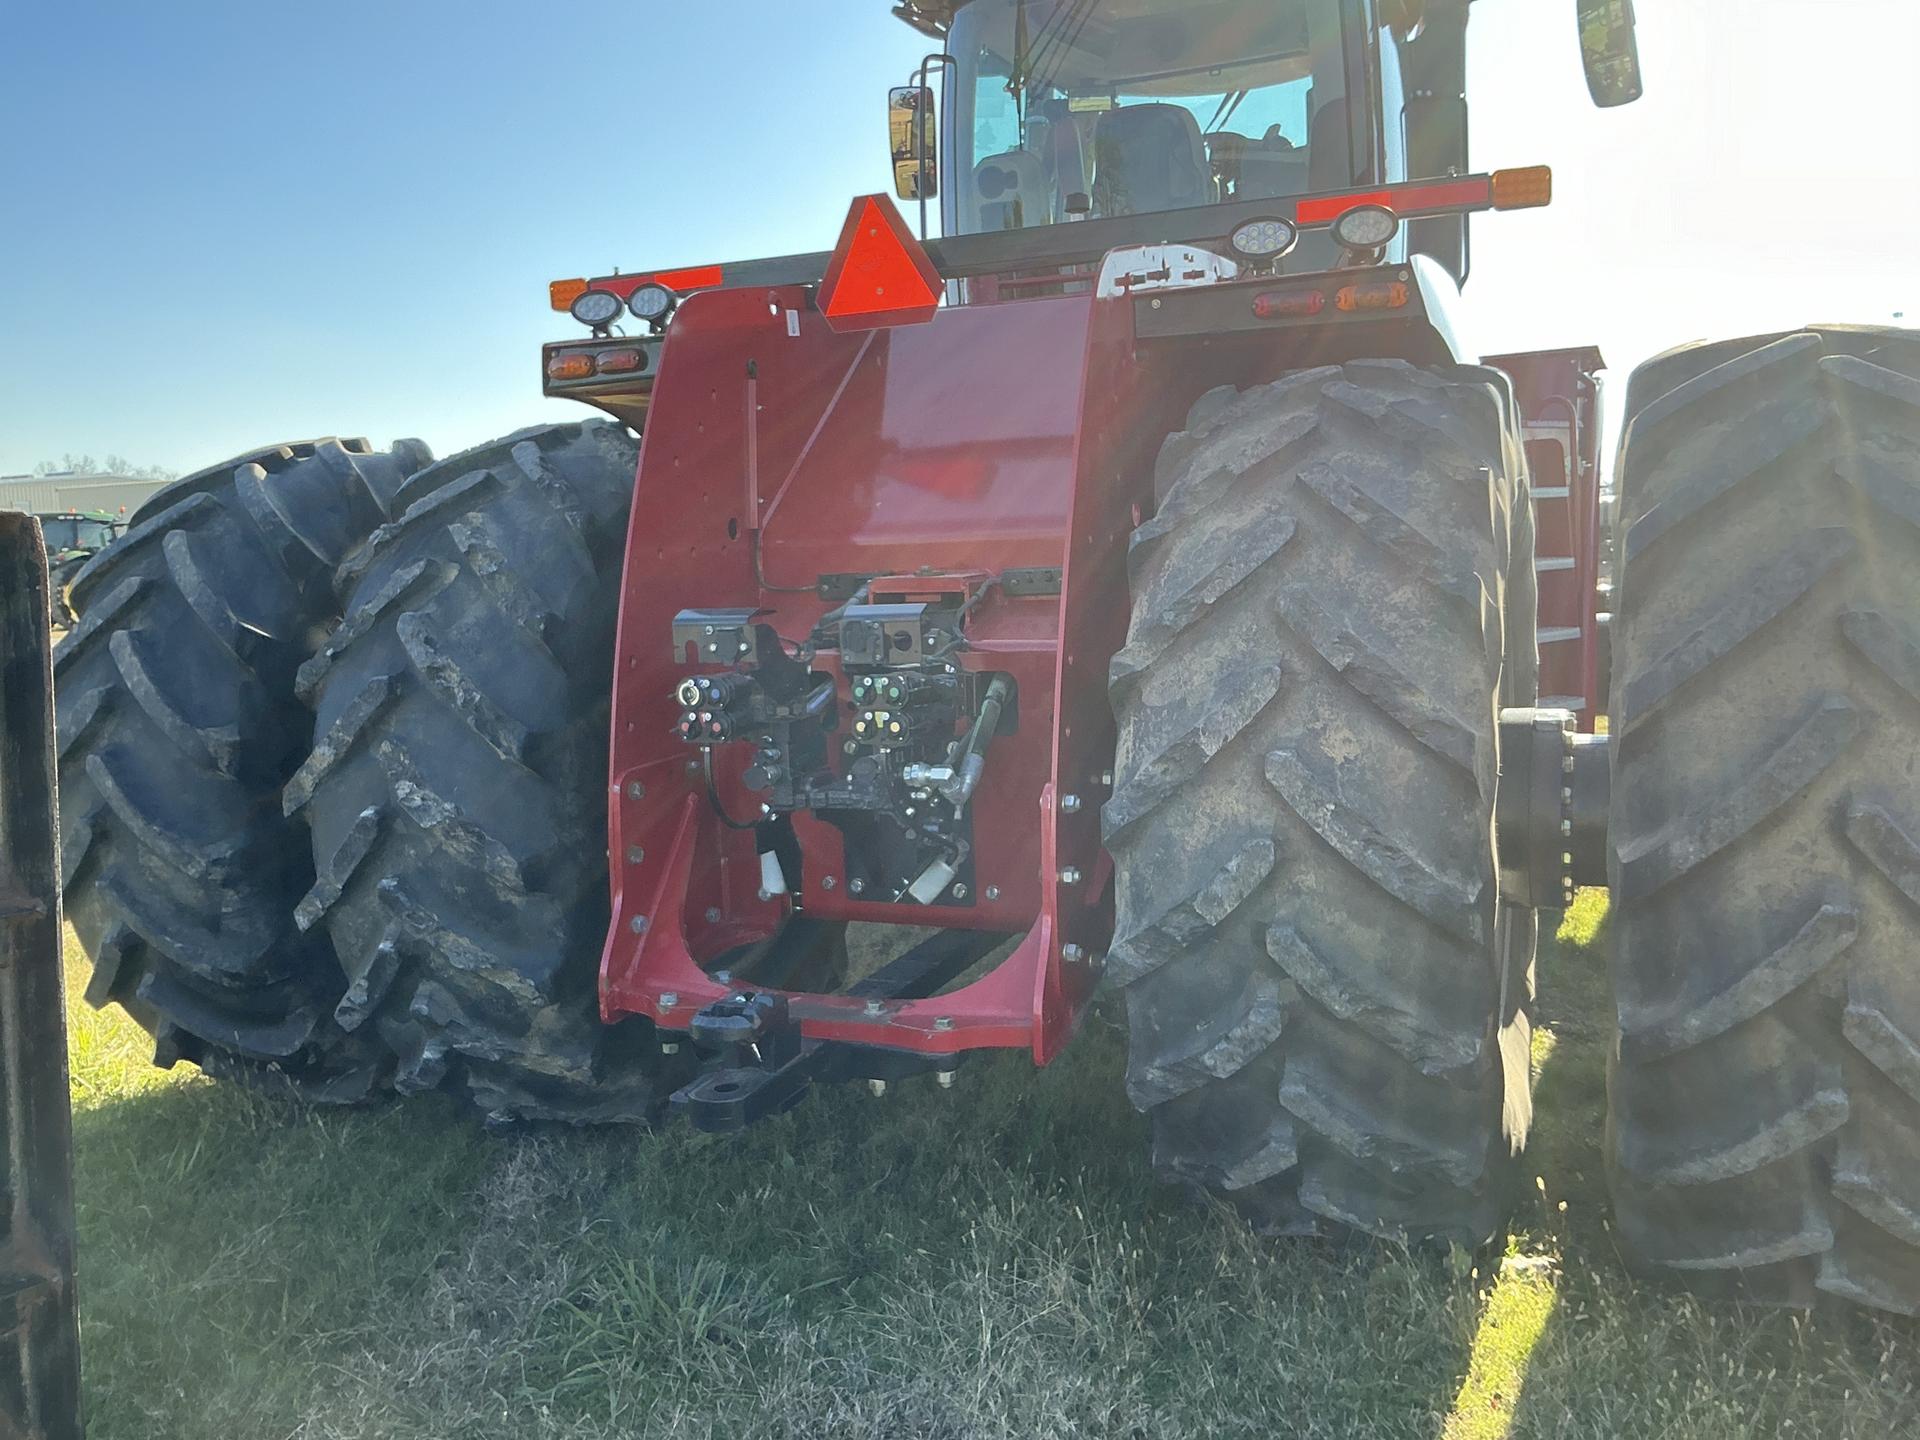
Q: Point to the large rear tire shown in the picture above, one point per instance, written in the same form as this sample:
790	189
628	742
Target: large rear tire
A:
177	728
1764	1121
457	786
1327	1003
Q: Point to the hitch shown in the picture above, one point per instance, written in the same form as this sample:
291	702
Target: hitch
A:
764	1069
1551	816
764	1064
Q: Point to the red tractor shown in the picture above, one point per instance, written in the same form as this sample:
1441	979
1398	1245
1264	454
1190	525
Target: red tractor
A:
1136	587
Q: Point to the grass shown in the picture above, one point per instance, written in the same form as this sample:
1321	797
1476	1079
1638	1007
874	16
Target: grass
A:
994	1260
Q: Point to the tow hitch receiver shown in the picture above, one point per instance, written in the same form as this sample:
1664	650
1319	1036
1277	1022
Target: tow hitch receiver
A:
765	1066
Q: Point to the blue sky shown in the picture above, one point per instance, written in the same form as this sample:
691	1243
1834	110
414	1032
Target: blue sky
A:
228	224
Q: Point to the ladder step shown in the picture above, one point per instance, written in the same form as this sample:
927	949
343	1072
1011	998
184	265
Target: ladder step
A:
1552	562
1558	634
1551	492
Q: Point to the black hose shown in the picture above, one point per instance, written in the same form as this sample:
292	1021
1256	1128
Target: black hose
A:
713	798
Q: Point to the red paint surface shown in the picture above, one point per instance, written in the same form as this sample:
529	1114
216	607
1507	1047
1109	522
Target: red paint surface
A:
1423	197
992	437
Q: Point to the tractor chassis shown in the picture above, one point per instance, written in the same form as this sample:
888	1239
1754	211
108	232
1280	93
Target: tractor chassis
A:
785	463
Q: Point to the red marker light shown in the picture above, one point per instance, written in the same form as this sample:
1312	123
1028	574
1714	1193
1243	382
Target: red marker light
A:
879	275
1288	304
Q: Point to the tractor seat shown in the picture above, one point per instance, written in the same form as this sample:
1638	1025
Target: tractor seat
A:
1010	192
1148	158
1270	166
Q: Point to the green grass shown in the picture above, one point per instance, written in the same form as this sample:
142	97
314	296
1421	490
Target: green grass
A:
994	1260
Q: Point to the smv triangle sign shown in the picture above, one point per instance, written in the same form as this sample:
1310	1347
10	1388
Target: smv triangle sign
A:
879	275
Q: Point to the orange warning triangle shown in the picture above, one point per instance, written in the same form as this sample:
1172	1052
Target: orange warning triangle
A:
879	274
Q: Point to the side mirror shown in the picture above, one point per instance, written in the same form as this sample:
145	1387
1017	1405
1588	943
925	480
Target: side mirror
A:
915	137
1610	51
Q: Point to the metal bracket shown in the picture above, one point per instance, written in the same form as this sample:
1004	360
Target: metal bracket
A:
1031	580
1551	814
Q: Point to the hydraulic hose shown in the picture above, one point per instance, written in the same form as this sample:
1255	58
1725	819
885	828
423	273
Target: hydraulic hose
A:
971	763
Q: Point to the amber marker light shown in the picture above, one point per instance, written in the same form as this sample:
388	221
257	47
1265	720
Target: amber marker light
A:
1523	189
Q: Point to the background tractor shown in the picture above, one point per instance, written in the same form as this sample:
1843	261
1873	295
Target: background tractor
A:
1138	587
72	538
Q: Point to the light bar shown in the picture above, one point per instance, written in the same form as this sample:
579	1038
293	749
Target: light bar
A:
966	255
695	277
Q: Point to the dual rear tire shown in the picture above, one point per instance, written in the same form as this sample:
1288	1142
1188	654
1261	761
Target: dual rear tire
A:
332	728
1765	1086
1327	1003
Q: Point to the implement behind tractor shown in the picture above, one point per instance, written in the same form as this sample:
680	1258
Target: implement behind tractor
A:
1138	587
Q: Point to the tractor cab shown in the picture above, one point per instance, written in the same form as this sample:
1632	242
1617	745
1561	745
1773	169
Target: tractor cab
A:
1060	112
71	531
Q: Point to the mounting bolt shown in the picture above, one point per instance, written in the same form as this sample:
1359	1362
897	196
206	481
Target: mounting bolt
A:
944	1022
635	854
693	767
669	999
1566	766
723	977
827	882
1070	876
993	892
1073	954
669	1047
849	748
1069	804
636	791
875	1009
945	1077
707	630
713	915
638	924
764	894
1566	796
876	1088
1106	778
1566	827
856	887
959	891
1567	860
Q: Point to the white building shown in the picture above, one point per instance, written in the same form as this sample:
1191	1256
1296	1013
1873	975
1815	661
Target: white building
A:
118	495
